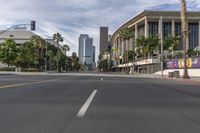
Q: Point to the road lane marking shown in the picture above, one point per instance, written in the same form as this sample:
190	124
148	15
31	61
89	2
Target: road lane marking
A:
86	105
31	83
101	79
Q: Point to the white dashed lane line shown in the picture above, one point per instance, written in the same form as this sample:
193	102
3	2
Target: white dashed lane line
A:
86	105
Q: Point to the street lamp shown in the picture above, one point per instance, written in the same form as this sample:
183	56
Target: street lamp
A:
185	35
161	43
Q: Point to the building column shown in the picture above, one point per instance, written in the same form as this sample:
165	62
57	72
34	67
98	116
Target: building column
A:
136	34
131	44
173	28
199	34
118	47
115	46
136	37
146	31
123	47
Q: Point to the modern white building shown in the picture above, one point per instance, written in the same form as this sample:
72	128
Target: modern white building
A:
22	35
151	22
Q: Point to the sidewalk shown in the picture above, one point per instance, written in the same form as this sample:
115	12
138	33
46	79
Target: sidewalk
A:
192	79
22	73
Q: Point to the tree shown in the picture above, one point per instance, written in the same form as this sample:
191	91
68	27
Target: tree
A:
57	37
26	55
8	52
142	47
39	45
51	56
75	62
185	35
57	58
125	34
103	64
171	43
146	46
190	52
152	44
66	48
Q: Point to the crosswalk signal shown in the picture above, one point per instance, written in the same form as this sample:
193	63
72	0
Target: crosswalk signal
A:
32	25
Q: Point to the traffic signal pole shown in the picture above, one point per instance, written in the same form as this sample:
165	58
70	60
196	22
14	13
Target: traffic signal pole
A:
32	24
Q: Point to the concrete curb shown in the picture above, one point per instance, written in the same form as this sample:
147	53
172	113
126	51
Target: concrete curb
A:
180	79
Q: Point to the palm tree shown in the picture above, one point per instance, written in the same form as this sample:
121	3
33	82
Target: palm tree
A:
58	57
57	37
125	34
39	45
185	34
142	47
66	48
171	43
152	44
51	56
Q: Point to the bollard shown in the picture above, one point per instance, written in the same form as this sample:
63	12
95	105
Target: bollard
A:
176	74
170	74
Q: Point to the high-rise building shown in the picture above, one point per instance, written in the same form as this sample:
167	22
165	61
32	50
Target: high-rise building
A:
88	53
93	52
81	47
103	39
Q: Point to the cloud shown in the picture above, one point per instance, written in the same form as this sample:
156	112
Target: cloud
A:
74	17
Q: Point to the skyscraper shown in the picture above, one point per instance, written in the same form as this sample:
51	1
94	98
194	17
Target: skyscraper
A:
103	39
81	47
88	52
93	52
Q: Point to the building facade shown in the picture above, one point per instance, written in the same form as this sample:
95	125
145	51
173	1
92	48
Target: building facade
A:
149	23
81	47
94	53
103	39
22	35
88	52
19	35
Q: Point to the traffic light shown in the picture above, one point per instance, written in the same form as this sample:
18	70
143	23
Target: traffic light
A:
32	25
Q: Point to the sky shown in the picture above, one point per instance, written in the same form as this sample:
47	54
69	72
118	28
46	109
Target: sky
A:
74	17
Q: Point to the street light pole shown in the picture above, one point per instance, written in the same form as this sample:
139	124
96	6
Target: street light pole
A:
161	43
46	58
185	35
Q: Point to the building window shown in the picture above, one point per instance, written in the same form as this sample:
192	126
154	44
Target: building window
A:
141	30
167	28
193	35
153	28
178	33
11	36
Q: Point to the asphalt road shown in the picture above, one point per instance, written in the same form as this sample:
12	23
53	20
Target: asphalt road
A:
88	104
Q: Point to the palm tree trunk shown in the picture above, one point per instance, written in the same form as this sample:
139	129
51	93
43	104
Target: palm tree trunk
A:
184	32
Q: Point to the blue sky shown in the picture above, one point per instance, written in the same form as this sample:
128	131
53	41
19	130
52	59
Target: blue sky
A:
74	17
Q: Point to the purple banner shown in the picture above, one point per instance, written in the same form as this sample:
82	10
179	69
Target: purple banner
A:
179	63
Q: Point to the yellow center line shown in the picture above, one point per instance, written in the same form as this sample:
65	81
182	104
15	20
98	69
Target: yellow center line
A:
31	83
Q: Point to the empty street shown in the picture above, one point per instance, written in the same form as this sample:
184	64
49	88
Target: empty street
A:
97	104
